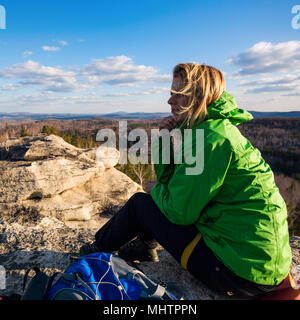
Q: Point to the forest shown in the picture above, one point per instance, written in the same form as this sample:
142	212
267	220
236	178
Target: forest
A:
278	139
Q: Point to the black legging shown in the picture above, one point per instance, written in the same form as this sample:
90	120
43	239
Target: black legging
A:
140	216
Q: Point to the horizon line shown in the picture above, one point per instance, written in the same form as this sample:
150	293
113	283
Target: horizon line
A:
124	112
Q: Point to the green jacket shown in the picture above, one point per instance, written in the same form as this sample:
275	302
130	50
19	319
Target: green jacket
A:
234	202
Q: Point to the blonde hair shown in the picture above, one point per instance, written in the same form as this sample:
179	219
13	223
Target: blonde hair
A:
202	85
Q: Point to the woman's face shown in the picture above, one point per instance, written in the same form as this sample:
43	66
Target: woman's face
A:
177	100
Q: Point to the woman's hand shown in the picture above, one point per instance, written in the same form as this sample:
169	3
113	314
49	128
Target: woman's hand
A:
149	185
170	122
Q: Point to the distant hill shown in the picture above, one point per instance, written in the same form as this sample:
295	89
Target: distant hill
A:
136	115
22	116
144	115
291	114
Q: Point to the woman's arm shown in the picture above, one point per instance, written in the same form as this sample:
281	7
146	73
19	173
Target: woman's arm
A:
164	171
183	198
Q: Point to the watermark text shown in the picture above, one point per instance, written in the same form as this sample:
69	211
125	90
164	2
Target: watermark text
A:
2	278
166	147
2	17
296	18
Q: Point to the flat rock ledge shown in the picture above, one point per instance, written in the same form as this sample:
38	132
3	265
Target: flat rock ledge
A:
50	244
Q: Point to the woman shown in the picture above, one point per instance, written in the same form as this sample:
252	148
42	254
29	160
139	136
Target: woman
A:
228	225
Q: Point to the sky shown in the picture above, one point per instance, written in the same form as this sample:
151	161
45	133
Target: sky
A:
99	57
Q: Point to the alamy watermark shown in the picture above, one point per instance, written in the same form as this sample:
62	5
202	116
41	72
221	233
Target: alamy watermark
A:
296	18
2	17
186	148
2	278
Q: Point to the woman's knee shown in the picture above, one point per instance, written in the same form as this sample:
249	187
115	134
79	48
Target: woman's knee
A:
140	197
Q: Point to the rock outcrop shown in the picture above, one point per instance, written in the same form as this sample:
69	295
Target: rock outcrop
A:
54	197
49	176
50	244
290	191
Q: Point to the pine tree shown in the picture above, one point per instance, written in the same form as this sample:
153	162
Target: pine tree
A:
46	129
7	130
24	132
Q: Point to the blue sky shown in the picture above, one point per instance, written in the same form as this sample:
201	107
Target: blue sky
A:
100	56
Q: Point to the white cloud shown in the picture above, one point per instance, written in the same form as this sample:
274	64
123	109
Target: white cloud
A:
120	71
288	79
62	42
32	70
265	57
151	91
50	48
268	89
112	71
281	62
27	53
9	87
288	82
32	73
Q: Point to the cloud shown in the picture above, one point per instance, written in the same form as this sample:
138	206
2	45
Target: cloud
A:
120	71
33	70
270	89
9	87
152	91
62	42
293	94
27	53
32	73
288	82
265	57
288	79
112	71
50	48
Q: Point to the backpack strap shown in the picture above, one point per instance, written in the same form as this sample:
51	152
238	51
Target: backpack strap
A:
84	284
162	289
158	293
36	288
51	279
36	270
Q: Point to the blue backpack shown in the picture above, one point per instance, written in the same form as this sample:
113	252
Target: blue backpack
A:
98	276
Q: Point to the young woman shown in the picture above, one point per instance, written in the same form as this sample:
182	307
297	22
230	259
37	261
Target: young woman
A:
227	225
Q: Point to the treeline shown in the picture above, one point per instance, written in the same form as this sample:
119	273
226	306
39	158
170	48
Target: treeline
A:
72	137
277	139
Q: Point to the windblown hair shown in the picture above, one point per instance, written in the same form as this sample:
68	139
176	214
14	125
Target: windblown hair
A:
202	85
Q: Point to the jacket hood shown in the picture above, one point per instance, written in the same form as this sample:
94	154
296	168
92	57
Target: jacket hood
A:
226	108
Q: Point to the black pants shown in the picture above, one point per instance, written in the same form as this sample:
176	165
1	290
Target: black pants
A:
140	216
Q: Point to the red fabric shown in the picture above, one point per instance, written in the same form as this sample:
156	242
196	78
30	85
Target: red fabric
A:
284	291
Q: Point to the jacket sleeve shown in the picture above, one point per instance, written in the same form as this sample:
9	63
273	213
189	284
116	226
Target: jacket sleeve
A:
163	171
185	195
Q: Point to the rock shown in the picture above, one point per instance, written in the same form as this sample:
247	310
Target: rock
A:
42	179
67	182
290	191
107	156
49	190
79	202
48	243
37	148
